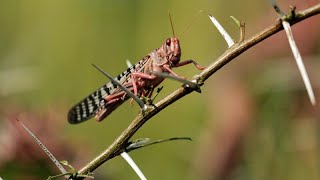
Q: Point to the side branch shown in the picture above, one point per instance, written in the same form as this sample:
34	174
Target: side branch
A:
120	143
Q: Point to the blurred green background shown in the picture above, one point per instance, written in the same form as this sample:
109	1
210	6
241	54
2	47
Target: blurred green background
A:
253	119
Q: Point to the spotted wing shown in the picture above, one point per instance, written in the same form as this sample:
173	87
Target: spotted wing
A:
88	107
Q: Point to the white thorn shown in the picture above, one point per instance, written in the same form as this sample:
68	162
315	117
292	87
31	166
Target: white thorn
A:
45	149
129	64
299	61
129	160
222	31
145	107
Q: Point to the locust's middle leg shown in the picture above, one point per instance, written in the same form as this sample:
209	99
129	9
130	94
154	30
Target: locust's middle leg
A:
138	86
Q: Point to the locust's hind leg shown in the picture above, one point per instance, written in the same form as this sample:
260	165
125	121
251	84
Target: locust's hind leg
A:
111	103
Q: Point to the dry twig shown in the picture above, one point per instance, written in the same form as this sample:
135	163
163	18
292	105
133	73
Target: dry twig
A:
118	146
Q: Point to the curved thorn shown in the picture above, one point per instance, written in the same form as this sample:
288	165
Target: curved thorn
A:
236	21
241	26
146	142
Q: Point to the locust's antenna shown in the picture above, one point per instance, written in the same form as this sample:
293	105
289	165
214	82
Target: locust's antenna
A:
192	21
174	35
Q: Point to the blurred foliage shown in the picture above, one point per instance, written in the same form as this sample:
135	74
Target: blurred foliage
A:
46	51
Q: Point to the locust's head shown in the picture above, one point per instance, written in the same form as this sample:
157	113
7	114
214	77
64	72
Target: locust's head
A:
172	50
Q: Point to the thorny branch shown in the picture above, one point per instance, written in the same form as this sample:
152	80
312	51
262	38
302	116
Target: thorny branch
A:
120	143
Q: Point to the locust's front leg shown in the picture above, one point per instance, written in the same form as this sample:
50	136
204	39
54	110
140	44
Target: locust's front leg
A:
186	62
167	68
183	63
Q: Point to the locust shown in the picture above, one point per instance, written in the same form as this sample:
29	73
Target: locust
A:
141	79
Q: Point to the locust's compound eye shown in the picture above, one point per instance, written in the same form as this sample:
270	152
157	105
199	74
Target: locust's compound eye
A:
168	42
